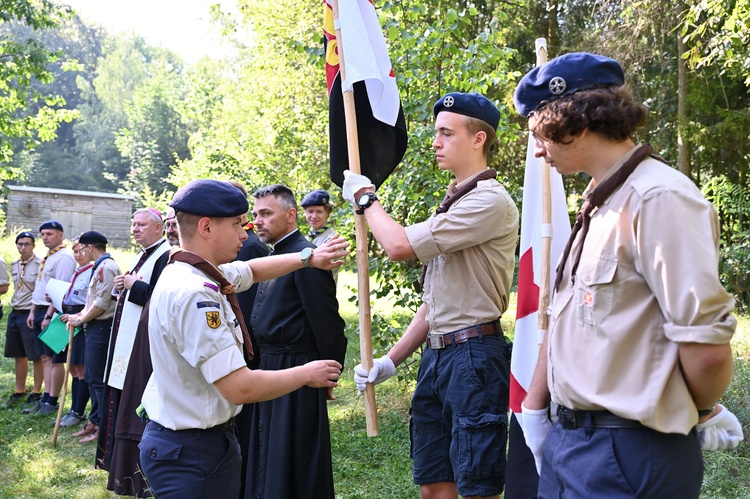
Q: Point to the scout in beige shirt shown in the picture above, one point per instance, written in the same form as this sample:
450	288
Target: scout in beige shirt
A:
638	345
459	408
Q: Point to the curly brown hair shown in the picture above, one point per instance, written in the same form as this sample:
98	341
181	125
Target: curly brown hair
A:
609	111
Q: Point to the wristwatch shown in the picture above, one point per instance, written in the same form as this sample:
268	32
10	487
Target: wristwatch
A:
305	256
48	317
706	412
365	201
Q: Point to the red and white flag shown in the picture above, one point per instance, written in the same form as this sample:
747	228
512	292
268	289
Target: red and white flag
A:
527	335
381	126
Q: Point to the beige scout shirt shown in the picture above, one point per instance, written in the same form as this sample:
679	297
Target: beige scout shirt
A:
195	340
647	281
100	288
59	265
24	280
470	250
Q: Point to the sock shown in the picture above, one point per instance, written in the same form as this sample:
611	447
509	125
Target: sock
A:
45	397
73	392
79	403
52	400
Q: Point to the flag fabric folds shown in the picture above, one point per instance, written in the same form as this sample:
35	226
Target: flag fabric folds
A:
526	339
381	126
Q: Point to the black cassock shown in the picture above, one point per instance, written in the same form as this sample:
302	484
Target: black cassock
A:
295	319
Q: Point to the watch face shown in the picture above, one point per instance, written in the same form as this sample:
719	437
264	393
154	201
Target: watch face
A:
306	253
363	200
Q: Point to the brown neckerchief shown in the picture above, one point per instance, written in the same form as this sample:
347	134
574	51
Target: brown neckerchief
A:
227	289
449	199
600	194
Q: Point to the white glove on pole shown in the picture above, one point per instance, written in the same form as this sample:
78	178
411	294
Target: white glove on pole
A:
382	369
536	426
353	182
723	431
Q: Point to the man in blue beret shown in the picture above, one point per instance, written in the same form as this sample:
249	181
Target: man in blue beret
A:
19	337
197	335
59	264
459	408
637	287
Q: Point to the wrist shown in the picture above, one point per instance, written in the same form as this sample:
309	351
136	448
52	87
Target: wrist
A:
47	317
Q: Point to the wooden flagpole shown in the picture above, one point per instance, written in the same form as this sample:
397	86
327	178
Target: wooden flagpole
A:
543	317
360	227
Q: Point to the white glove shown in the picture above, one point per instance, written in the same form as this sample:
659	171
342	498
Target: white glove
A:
353	182
536	426
382	369
722	431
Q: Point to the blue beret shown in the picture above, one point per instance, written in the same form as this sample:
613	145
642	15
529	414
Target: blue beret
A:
51	224
316	198
210	198
473	105
566	75
25	233
92	237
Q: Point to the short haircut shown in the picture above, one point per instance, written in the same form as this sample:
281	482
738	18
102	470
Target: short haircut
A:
282	193
187	224
475	125
610	111
151	215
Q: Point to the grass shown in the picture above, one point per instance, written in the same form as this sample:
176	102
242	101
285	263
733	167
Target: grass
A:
364	468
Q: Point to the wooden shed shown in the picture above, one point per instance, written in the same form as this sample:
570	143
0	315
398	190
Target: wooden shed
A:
77	211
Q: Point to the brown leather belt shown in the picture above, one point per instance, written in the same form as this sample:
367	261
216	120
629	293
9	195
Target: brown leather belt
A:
438	341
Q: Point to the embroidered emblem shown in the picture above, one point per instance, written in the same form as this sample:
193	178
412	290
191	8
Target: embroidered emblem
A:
448	101
208	304
588	298
213	320
557	85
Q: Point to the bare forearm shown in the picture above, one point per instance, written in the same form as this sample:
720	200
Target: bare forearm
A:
707	370
389	233
538	396
412	338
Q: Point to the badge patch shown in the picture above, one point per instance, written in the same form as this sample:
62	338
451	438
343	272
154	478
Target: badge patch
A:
208	304
213	320
588	298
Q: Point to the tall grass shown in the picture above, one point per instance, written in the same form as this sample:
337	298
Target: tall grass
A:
364	468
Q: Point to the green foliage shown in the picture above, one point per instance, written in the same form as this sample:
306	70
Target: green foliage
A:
27	115
732	201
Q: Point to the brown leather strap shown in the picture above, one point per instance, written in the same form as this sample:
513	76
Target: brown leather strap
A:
180	255
600	194
438	341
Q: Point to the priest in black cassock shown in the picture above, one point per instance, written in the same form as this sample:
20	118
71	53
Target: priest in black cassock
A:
295	319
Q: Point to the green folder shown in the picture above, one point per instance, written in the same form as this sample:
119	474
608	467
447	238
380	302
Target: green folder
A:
56	334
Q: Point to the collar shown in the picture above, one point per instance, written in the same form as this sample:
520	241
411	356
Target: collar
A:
285	238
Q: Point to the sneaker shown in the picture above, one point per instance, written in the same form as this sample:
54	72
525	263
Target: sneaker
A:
72	418
33	398
14	399
87	430
47	408
91	437
33	409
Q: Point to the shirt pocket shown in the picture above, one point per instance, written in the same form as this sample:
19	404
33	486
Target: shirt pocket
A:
595	290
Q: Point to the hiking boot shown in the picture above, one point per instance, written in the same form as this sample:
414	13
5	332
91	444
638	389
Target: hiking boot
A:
33	409
47	408
72	418
14	399
87	430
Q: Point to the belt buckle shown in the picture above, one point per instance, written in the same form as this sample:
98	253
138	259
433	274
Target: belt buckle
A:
435	341
568	419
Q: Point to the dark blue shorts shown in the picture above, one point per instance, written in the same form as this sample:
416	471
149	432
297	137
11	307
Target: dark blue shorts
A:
19	339
620	463
459	416
190	464
41	347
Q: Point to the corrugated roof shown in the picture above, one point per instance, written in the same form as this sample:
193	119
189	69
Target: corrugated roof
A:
68	191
